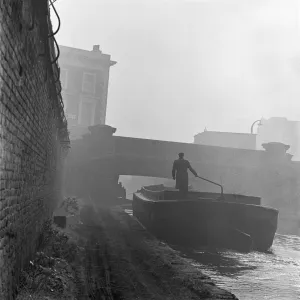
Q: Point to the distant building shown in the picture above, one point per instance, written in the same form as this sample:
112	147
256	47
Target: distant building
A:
280	130
226	139
84	77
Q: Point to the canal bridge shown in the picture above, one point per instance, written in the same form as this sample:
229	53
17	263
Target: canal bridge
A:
98	159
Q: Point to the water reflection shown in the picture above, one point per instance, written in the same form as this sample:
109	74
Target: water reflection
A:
256	275
274	275
226	266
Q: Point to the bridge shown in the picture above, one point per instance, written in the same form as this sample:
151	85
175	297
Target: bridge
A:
98	159
154	158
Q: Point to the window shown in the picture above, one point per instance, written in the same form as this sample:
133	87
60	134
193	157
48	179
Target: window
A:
87	112
89	83
64	78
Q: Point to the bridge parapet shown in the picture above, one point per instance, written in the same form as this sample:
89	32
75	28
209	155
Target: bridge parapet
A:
101	142
130	147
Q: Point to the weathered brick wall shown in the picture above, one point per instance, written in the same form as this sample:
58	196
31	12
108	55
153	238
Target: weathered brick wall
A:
31	133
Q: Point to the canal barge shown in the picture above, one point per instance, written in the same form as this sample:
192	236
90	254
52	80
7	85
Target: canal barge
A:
206	219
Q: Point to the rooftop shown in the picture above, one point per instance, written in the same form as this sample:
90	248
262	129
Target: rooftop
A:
94	54
224	132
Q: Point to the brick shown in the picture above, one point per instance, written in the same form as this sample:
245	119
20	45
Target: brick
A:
28	140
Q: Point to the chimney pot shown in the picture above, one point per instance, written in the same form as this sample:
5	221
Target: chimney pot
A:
96	48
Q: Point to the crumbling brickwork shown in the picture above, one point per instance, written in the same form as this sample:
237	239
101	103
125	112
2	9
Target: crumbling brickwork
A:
32	133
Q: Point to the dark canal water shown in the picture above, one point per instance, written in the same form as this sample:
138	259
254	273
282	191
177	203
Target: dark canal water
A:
254	276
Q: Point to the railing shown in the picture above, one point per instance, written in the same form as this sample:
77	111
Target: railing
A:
222	190
159	194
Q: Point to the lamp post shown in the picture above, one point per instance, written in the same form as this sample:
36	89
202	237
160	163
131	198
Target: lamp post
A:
252	126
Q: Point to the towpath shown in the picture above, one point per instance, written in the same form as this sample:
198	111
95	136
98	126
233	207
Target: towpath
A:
121	260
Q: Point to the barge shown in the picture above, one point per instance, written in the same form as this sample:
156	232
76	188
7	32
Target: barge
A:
231	221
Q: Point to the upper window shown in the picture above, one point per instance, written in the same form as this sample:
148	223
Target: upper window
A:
64	78
89	83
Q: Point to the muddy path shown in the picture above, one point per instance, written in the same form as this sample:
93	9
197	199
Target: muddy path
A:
121	260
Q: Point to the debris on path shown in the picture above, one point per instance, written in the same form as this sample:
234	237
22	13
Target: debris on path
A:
109	255
135	265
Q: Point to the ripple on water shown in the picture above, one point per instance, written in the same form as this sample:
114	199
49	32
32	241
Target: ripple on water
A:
272	276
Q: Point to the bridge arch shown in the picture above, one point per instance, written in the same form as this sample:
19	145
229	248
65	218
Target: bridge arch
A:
98	159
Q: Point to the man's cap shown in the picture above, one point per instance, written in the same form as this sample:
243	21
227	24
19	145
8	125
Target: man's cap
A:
181	154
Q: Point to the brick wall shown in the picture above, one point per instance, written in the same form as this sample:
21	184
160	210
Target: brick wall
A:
32	131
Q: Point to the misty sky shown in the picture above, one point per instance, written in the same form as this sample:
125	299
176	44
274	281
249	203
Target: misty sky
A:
186	65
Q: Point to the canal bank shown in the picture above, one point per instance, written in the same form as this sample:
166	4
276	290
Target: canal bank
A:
140	266
272	275
116	258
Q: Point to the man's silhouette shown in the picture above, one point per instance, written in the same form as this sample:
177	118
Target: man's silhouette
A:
180	173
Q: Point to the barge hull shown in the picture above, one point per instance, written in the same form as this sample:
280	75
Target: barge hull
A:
243	227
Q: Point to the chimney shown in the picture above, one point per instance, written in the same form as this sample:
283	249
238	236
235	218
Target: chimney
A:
96	48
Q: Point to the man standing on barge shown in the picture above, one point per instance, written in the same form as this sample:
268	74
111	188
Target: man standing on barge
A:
180	173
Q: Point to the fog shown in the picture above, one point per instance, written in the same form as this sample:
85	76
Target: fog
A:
182	66
186	65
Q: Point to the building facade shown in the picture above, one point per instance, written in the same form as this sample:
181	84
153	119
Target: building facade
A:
84	78
280	130
226	139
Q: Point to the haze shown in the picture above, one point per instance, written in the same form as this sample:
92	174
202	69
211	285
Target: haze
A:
186	65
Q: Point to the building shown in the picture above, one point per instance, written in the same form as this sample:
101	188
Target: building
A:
226	139
84	78
275	129
281	130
